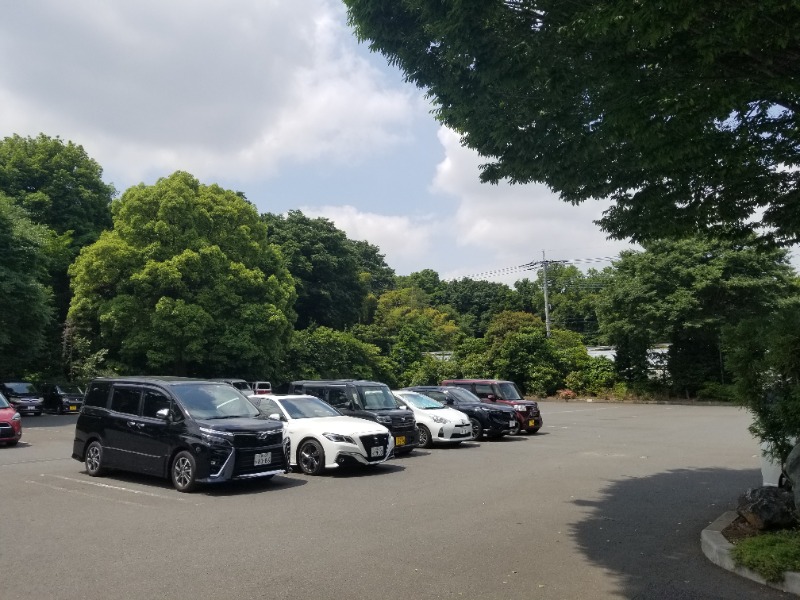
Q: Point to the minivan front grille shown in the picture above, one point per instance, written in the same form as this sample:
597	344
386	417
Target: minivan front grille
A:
400	423
245	460
251	440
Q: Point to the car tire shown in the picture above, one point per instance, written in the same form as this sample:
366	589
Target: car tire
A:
404	451
93	459
477	429
535	430
60	409
183	472
311	457
425	440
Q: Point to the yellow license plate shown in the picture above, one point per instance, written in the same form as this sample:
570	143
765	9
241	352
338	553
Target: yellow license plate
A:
400	441
73	408
531	423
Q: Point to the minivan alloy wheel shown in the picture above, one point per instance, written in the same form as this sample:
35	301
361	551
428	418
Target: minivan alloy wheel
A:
94	459
183	472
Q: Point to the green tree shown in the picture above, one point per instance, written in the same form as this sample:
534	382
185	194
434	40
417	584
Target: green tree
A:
26	309
684	293
684	113
327	269
185	283
61	187
477	302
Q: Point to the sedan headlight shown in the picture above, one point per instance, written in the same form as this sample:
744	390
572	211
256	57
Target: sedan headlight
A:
440	420
16	417
520	407
384	419
337	437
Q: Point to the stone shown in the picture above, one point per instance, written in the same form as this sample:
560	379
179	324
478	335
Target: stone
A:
767	508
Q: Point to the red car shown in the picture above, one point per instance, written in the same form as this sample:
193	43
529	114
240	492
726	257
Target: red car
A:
497	391
10	423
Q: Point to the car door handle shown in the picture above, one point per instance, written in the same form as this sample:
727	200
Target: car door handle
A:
135	424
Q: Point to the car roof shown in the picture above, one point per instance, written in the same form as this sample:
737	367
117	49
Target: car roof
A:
160	379
329	381
479	380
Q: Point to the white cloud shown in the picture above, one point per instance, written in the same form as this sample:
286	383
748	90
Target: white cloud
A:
216	88
406	242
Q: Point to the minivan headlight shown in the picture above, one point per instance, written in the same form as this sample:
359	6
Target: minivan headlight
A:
520	407
213	437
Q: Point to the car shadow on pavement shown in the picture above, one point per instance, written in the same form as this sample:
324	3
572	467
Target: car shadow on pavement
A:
352	471
47	420
647	531
225	488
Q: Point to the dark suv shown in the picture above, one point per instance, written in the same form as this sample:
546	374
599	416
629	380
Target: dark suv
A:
494	421
191	431
367	400
498	391
23	396
61	398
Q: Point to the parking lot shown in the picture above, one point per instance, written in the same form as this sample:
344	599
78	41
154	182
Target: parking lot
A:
607	501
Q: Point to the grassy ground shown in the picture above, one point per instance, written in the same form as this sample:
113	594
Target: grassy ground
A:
769	554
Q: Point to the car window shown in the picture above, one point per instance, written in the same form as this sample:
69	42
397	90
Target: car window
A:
154	401
463	395
439	396
307	408
21	387
482	390
508	391
377	397
268	406
126	400
214	401
3	402
337	397
97	394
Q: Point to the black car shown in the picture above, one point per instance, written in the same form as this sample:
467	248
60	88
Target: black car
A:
61	398
191	431
23	396
494	421
369	400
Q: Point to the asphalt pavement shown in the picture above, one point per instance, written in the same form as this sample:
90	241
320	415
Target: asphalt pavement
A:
607	501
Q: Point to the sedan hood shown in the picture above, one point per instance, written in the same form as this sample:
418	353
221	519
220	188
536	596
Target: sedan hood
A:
452	415
352	426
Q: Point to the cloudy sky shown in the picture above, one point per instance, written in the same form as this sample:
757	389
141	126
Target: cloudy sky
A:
276	99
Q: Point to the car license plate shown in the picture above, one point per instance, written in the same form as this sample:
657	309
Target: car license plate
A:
512	423
262	459
399	441
376	451
73	408
532	423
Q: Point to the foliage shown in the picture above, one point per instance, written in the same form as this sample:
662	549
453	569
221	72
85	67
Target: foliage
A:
595	377
769	554
185	283
82	364
685	113
336	279
324	353
764	352
477	302
26	309
684	292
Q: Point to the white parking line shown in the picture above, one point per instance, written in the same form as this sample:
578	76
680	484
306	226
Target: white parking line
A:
119	488
63	489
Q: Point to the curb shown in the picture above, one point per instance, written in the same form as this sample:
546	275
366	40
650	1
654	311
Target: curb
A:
718	550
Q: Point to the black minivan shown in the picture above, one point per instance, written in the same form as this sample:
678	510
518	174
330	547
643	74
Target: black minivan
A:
369	400
191	431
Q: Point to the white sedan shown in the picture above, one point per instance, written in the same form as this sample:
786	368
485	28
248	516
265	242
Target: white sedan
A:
321	437
436	423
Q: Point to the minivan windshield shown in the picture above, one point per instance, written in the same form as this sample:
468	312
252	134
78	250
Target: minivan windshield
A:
376	397
70	389
214	401
463	395
21	387
508	391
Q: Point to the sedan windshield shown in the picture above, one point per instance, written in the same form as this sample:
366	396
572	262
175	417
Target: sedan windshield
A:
509	391
419	401
464	395
377	397
308	408
21	387
214	401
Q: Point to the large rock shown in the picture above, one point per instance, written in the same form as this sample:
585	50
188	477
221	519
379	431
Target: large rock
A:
767	508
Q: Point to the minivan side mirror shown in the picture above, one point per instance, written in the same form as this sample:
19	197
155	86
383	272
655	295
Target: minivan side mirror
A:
275	417
164	414
492	397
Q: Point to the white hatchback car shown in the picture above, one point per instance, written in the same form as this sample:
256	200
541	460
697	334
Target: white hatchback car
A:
321	437
436	423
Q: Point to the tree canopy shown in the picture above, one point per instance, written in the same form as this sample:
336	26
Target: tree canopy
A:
185	283
684	113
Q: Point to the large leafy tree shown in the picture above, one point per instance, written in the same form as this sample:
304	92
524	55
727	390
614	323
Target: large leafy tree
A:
686	293
25	300
61	187
334	275
477	302
684	113
186	283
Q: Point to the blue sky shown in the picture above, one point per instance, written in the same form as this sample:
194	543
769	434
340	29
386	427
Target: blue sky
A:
276	99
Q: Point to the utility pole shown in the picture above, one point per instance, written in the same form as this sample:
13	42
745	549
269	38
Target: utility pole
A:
546	301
